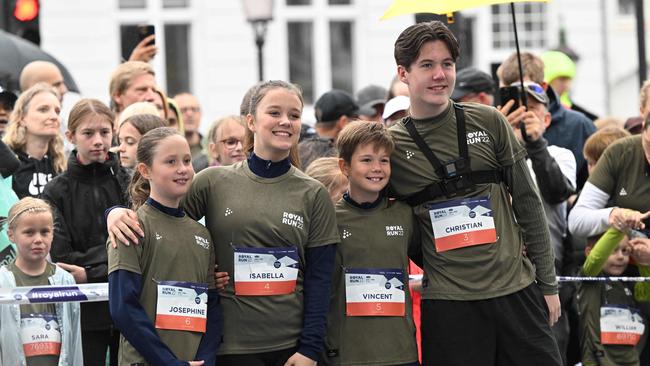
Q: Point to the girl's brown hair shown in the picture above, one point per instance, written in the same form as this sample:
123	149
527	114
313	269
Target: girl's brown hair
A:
257	93
26	205
15	136
147	148
327	171
86	107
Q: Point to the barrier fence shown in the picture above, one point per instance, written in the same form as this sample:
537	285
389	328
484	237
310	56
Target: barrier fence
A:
91	292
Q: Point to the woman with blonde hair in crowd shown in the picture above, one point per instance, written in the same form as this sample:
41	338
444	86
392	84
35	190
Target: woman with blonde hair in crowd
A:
33	134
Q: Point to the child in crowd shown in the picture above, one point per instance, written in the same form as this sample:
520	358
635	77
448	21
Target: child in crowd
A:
131	131
327	171
36	334
162	293
610	326
93	182
370	319
33	134
226	138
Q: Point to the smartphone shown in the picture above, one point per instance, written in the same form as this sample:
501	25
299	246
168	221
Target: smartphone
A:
510	92
145	31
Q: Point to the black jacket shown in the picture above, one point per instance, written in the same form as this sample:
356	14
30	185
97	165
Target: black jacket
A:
32	175
79	197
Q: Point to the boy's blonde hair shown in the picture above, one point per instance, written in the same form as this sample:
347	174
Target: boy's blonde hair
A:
596	144
358	133
26	205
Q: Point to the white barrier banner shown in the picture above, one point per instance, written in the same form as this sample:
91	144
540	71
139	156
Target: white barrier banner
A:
87	292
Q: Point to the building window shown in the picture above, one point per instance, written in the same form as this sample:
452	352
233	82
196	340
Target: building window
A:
626	7
340	2
171	4
531	26
132	4
177	58
298	2
301	60
341	56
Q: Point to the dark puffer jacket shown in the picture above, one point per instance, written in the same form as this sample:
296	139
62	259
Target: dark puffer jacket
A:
79	197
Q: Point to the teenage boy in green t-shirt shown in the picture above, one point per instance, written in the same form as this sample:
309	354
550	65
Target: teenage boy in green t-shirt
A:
489	290
370	319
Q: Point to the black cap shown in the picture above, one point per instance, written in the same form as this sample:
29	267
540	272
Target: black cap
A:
7	98
472	80
369	97
334	104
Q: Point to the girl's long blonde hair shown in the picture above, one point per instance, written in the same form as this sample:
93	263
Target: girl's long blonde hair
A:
15	136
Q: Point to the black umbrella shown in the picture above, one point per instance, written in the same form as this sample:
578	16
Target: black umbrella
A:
16	52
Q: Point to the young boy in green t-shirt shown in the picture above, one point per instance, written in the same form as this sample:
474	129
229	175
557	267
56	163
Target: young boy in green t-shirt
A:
610	325
370	319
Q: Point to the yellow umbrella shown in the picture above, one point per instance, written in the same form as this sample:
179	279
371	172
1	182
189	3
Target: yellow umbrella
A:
401	7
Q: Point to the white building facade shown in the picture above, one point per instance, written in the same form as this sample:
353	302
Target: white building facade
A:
207	47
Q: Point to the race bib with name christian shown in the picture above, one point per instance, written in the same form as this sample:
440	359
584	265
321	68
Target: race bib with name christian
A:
40	334
266	271
182	306
462	223
374	292
620	325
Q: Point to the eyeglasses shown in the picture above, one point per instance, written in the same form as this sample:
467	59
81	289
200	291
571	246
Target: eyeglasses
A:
231	143
190	109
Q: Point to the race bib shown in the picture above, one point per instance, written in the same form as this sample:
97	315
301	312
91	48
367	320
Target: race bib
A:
620	325
182	306
40	335
462	223
266	271
374	292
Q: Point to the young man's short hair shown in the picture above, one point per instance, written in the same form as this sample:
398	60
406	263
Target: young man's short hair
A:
359	133
411	40
532	65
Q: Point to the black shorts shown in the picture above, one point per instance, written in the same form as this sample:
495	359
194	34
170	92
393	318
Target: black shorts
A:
272	358
507	330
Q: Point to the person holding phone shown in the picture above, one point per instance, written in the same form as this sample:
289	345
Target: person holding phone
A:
146	48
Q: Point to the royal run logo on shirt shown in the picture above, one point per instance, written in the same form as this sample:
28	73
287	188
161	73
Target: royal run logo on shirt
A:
477	137
203	242
293	220
394	230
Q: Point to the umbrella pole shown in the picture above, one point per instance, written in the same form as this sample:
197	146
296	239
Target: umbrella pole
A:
524	98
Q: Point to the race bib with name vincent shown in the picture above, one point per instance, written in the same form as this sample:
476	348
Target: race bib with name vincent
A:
374	292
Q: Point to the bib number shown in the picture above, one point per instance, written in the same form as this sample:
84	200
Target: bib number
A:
462	223
620	325
182	306
40	335
374	292
266	271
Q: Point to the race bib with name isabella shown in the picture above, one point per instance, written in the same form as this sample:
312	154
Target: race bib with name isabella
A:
266	271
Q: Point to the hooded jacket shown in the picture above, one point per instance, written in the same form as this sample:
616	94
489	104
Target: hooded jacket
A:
32	175
67	313
79	197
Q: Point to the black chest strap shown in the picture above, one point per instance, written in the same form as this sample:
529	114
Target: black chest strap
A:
456	176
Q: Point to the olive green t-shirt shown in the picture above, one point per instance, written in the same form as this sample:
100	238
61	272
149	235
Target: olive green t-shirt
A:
23	279
173	249
622	172
243	210
376	238
474	272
